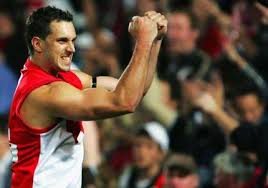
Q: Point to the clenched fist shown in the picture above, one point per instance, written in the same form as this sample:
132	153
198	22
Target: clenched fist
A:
161	22
143	29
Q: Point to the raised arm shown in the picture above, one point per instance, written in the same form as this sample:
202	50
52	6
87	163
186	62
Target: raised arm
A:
162	29
264	11
208	104
61	100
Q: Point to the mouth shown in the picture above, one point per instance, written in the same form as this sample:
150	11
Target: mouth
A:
67	59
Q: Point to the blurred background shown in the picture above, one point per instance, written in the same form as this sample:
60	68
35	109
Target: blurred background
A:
204	121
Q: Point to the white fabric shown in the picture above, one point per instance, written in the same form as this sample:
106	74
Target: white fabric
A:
60	160
158	133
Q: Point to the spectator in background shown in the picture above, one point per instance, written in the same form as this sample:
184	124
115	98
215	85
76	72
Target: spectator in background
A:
251	135
182	52
214	25
149	150
181	172
11	37
197	131
5	158
233	170
250	105
8	83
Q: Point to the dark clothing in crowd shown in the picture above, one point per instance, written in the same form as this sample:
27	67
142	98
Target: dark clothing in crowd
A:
194	65
253	139
203	141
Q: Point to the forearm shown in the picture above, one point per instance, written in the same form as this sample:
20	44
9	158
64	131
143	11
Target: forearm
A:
130	87
250	72
225	121
152	64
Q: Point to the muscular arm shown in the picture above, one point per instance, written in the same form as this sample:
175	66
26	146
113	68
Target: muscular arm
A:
162	29
152	64
61	100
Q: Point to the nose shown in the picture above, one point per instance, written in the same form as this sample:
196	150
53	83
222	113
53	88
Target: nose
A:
71	47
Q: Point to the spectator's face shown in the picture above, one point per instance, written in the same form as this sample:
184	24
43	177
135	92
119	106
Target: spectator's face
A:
181	36
146	153
190	181
249	108
58	47
7	27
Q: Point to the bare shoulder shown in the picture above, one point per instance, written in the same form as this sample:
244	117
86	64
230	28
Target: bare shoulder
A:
54	94
39	107
50	99
84	78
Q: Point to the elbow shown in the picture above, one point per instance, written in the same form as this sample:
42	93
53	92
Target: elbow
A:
131	108
129	105
128	102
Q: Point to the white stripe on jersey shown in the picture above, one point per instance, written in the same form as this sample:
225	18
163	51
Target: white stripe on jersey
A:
60	160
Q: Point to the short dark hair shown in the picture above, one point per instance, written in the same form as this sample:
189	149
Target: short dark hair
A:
38	23
250	89
192	18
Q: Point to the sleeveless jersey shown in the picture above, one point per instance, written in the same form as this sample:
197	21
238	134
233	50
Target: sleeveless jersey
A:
50	157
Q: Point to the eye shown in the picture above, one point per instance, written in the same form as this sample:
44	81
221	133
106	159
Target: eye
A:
62	40
73	41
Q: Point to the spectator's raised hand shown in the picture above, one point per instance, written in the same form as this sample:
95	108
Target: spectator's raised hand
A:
206	102
264	11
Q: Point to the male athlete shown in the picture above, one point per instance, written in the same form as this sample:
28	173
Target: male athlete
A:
50	100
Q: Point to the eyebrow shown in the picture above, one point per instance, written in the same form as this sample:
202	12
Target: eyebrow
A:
65	39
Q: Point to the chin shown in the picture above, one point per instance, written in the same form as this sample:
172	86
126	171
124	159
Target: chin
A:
65	68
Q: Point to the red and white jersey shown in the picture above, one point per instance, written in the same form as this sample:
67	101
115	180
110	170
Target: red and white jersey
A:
50	157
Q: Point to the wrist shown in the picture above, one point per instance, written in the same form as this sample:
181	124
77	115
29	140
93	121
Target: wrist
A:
144	44
215	111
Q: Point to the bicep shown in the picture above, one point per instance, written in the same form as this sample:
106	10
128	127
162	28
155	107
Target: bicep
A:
62	100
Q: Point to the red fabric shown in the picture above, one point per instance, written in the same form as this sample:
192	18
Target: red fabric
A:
253	181
212	42
23	137
160	182
120	158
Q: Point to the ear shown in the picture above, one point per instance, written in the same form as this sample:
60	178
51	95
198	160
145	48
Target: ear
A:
37	44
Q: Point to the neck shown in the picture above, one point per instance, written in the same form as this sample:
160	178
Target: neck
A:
43	64
149	172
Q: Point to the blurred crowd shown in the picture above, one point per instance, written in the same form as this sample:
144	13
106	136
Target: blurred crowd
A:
203	123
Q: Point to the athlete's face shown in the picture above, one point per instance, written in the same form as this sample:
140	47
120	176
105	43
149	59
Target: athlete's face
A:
59	45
